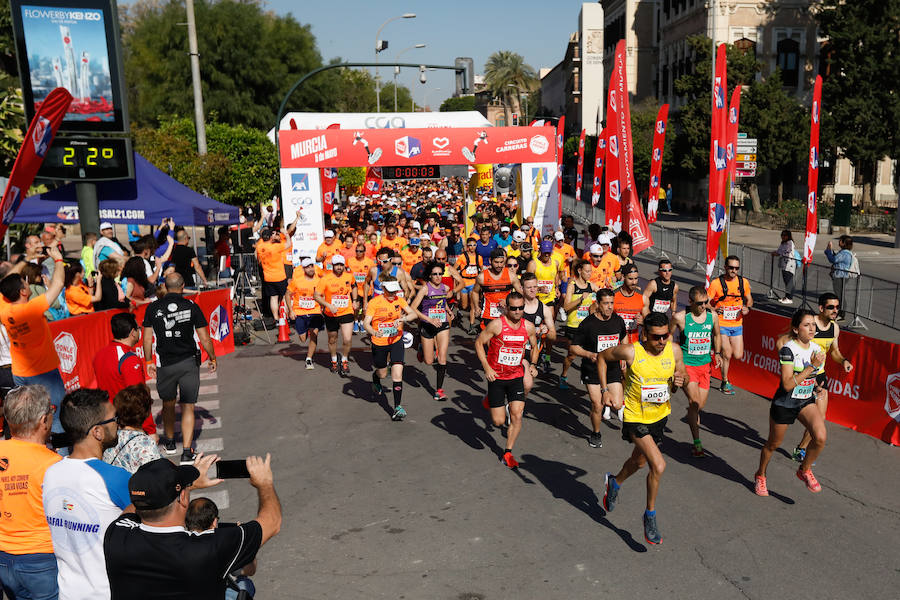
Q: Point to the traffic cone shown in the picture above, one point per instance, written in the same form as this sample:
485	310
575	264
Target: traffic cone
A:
284	332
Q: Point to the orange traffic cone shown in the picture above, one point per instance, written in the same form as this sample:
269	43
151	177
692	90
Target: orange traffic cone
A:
284	332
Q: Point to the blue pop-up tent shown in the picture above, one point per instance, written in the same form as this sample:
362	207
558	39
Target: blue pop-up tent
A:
145	200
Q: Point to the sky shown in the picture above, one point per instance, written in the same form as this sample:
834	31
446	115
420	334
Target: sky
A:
539	31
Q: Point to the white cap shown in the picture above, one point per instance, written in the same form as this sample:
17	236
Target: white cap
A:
391	286
604	240
519	236
504	228
595	249
306	262
338	259
415	225
558	236
105	225
328	233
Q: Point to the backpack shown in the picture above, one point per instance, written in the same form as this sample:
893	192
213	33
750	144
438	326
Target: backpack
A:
740	287
853	271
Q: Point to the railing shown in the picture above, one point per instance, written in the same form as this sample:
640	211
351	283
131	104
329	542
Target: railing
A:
865	297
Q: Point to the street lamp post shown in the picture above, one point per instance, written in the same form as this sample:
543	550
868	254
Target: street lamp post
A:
425	97
199	120
379	46
397	70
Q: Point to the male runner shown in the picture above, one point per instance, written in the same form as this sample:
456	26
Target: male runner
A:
336	293
609	263
661	293
548	271
507	337
653	366
495	283
601	330
392	240
385	315
699	328
326	250
730	295
629	302
303	308
359	266
580	297
540	315
384	265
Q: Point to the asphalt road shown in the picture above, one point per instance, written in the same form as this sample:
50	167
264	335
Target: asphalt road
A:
423	509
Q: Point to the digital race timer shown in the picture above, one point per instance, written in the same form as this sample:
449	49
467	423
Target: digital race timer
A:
412	172
88	159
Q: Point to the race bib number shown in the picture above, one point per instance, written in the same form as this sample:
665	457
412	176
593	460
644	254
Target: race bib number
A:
342	301
387	329
471	271
698	345
510	357
544	286
655	394
804	389
306	303
630	322
359	277
582	312
604	342
731	313
661	306
400	294
438	314
494	310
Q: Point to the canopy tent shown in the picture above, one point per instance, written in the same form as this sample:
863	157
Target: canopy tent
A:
145	200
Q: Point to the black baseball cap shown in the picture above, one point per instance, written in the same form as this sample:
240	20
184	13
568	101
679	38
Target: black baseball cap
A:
157	483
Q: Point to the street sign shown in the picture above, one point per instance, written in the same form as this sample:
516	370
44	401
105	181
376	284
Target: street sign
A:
743	157
745	141
746	165
745	173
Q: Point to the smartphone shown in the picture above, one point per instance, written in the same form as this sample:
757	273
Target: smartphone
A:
232	469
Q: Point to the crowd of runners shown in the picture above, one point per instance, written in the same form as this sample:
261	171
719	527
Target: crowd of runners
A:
400	269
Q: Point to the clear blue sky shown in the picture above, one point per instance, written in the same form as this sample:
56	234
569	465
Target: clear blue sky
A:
538	31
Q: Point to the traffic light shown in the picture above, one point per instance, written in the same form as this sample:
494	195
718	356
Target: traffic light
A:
515	119
464	76
423	73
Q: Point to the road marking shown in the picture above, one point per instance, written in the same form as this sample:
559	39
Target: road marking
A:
202	424
220	497
210	445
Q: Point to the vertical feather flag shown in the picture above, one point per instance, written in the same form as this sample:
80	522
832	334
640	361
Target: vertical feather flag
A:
718	163
560	132
812	181
579	172
613	196
731	132
659	143
599	159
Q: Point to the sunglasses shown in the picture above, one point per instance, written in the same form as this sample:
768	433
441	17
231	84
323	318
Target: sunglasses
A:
114	419
384	262
520	307
596	256
832	306
396	264
665	270
733	267
437	274
657	337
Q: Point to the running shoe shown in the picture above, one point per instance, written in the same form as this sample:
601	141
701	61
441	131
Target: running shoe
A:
509	460
612	493
486	404
309	364
355	326
697	451
651	531
807	477
760	487
440	395
334	366
188	456
786	301
169	446
727	388
595	440
563	384
345	368
399	414
799	454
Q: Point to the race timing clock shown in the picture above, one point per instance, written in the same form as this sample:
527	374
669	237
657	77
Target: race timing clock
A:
412	172
88	159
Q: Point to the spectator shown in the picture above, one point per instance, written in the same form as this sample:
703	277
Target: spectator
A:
27	564
787	265
202	516
34	249
116	365
184	566
34	358
134	447
134	234
111	295
49	240
841	267
223	252
669	197
145	248
134	282
87	252
83	495
270	251
106	246
165	238
79	296
174	320
185	260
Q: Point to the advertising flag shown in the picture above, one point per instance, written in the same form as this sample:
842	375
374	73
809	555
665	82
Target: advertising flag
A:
560	132
718	163
734	113
659	142
599	159
579	173
812	181
31	155
613	195
329	177
374	182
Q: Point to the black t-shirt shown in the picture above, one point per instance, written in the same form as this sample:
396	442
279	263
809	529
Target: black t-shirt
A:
174	319
417	271
182	257
170	563
109	297
595	335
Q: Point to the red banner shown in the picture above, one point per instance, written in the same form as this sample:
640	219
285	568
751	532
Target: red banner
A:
78	339
731	133
579	173
659	144
329	178
374	183
400	147
560	133
599	159
613	197
31	155
718	163
812	180
866	400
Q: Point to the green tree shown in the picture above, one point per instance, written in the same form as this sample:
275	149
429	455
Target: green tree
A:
506	75
351	179
12	114
860	104
457	104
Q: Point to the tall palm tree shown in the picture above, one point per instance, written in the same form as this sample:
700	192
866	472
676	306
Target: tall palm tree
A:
506	74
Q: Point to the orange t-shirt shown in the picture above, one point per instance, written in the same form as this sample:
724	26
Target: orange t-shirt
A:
30	341
336	291
360	269
325	251
371	249
271	259
410	258
629	307
609	264
395	244
386	319
564	254
729	301
25	531
598	276
78	299
303	298
468	268
348	253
